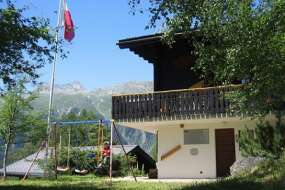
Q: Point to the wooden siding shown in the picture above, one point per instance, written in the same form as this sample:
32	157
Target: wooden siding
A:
173	73
174	69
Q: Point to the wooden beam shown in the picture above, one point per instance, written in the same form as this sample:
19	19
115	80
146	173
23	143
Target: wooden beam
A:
171	152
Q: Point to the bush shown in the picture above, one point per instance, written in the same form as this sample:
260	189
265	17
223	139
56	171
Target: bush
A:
78	159
120	164
121	168
268	141
268	170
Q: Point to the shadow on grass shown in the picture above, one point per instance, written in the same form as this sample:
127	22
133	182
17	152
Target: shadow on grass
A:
236	184
60	187
19	187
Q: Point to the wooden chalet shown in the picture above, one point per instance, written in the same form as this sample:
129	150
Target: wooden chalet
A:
194	126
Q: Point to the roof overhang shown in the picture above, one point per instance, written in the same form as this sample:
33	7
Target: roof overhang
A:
152	47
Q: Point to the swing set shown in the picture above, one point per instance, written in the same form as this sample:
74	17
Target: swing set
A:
100	141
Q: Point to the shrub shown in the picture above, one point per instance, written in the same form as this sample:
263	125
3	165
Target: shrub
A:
120	164
78	159
266	141
267	170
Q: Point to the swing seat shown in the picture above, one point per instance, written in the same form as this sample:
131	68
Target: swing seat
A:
81	172
62	169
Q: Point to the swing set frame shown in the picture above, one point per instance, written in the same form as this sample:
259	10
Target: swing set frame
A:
101	123
99	145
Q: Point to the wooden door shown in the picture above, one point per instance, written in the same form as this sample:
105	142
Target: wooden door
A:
225	151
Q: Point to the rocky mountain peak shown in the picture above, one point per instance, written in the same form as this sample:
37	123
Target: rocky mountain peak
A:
77	88
125	88
69	88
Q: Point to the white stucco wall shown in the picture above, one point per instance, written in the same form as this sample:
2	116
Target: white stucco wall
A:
184	165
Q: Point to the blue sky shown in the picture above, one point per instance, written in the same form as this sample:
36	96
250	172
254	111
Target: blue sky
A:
94	58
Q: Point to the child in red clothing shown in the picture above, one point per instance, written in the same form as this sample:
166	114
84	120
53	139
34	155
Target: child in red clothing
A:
106	154
106	150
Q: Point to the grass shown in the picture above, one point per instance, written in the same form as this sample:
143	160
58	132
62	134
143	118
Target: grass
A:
91	182
88	182
269	175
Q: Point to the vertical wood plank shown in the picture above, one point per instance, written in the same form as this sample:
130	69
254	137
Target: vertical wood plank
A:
222	102
217	102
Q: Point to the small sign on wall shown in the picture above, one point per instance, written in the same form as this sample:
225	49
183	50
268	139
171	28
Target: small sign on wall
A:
194	151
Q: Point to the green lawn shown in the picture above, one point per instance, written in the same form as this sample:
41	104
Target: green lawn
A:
92	183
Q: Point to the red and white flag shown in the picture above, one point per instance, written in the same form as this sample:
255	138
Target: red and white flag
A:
69	33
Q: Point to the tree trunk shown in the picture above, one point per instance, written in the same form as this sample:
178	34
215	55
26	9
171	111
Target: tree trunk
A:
5	159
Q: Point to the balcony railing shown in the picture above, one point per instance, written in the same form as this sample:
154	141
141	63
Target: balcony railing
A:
173	105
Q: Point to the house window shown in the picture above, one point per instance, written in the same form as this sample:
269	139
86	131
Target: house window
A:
196	136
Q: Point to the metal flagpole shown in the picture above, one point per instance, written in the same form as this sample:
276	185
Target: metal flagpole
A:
58	26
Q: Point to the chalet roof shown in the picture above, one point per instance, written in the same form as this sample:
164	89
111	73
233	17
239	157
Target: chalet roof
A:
151	47
19	168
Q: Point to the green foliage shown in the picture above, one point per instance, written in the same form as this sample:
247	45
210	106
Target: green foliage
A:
37	131
26	44
269	170
272	169
15	113
245	43
83	134
79	159
16	116
120	165
172	14
139	172
49	167
29	141
264	141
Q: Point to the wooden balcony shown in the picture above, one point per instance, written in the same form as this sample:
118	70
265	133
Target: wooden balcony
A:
173	105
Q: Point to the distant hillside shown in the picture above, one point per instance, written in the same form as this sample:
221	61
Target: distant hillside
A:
74	96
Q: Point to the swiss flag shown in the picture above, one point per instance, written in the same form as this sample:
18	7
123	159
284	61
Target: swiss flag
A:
68	25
